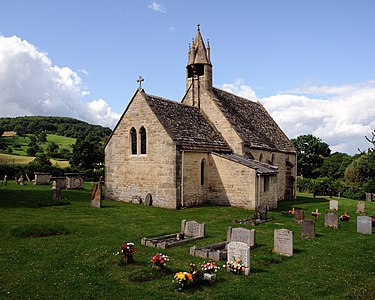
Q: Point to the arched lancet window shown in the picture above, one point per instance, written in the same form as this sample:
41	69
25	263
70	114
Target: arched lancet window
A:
142	135
260	157
202	171
133	140
273	159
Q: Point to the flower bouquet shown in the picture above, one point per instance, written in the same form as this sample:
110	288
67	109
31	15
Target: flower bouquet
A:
345	217
197	275
127	250
236	266
209	269
159	260
183	279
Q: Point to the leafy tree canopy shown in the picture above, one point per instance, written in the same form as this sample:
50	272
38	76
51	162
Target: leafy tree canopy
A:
311	152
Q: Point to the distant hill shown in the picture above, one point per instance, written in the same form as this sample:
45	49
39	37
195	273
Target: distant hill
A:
63	126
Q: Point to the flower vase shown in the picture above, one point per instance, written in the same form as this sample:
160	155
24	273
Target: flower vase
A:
209	277
157	267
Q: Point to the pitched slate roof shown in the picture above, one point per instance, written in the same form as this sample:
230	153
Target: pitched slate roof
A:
187	127
261	168
252	122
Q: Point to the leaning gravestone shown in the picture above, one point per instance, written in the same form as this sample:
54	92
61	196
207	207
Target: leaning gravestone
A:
333	205
240	251
364	224
56	191
331	220
5	180
96	194
360	207
308	228
299	215
242	235
283	242
148	200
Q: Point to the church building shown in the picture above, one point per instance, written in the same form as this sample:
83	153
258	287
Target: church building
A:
212	147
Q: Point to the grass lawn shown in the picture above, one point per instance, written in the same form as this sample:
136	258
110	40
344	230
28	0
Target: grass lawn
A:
78	260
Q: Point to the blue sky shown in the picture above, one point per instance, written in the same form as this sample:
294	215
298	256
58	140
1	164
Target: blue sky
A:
310	63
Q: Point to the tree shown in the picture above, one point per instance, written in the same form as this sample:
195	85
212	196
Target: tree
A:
311	152
52	149
335	165
87	154
42	137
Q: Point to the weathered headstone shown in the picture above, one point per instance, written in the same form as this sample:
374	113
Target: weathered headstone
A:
5	180
241	251
370	197
42	178
331	220
148	200
97	194
74	181
360	207
364	224
308	228
193	228
20	180
56	192
299	215
16	180
283	242
333	205
243	235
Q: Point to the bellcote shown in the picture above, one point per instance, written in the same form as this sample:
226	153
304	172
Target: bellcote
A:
199	66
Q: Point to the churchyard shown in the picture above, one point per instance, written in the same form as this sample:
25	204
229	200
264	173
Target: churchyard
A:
77	258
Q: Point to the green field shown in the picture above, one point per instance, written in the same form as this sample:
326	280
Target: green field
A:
80	262
8	159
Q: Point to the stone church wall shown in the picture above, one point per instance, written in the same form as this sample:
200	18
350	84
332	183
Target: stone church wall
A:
231	183
194	192
127	176
279	160
268	197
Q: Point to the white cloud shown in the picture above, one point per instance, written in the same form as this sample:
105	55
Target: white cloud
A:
340	115
157	7
31	85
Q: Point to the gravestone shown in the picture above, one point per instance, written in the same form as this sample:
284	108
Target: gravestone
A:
331	220
243	235
74	181
27	177
97	194
360	207
42	178
370	197
299	215
60	182
333	205
193	229
20	180
148	200
56	192
16	180
283	242
5	180
364	224
241	251
308	228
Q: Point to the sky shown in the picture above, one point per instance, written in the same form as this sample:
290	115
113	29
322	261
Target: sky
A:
310	63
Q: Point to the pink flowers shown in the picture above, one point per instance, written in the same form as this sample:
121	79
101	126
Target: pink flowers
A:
159	260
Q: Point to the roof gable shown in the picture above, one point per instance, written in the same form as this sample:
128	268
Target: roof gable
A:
252	122
186	126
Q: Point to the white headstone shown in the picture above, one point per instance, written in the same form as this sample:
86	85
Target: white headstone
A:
364	224
242	235
333	205
241	251
331	220
283	242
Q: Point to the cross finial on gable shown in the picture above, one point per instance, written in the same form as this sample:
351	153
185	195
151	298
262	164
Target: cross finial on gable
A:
139	80
198	25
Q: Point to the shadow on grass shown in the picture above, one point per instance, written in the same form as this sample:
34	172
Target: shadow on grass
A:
285	205
27	198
